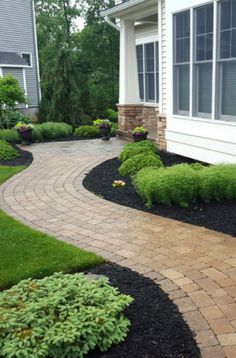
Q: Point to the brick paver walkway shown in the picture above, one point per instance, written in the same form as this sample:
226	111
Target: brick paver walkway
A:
195	266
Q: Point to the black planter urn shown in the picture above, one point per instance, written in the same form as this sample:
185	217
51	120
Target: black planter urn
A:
105	132
139	137
26	135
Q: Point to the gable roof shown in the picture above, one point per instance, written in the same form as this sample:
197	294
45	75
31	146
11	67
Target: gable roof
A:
12	59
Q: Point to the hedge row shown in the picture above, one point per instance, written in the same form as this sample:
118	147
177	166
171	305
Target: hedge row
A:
184	184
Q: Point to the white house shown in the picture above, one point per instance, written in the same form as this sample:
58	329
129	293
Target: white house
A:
178	74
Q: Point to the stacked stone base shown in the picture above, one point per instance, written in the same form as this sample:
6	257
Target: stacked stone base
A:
132	116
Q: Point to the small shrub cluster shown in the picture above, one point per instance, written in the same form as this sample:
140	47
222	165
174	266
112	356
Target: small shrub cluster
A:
133	165
87	132
11	118
10	136
7	152
184	184
132	149
51	130
61	316
112	115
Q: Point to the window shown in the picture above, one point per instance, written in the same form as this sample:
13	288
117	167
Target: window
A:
148	71
203	55
182	62
27	58
227	60
205	61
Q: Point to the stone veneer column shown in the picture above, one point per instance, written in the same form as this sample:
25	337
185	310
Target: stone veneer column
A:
161	131
130	116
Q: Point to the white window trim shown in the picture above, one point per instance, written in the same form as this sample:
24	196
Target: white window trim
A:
27	53
215	114
1	73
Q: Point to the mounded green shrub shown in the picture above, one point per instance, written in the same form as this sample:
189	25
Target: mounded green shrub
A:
87	132
51	130
112	115
7	152
62	316
132	149
133	165
218	183
171	185
10	136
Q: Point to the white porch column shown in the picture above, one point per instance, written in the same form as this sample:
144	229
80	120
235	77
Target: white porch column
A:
129	86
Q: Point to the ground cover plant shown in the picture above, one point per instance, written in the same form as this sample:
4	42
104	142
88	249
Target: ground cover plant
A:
61	316
134	164
51	130
7	152
132	149
10	136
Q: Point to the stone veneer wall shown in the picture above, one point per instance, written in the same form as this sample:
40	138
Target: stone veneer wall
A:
131	116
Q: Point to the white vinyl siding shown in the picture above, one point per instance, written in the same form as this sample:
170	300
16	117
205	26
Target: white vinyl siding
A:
163	74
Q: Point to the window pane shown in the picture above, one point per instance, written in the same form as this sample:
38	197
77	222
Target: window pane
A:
209	18
233	13
179	51
200	48
183	88
186	23
233	43
229	88
209	47
204	72
157	56
179	25
186	50
225	14
141	88
225	44
201	18
149	57
139	49
150	87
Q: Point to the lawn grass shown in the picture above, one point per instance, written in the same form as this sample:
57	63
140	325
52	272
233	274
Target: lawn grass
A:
7	172
25	252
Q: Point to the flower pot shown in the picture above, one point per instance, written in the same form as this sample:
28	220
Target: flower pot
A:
105	132
26	135
139	137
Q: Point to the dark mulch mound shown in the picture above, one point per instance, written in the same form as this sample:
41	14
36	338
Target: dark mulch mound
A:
158	329
25	158
218	216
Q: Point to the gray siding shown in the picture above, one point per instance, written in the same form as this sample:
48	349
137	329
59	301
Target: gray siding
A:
17	35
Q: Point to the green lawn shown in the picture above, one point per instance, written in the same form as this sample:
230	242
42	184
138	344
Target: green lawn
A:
28	253
7	172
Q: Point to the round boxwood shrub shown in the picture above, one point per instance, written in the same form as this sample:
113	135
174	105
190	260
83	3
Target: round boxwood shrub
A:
7	152
178	184
61	316
132	149
218	183
87	132
133	165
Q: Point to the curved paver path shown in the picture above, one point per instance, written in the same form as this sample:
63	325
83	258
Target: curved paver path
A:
195	266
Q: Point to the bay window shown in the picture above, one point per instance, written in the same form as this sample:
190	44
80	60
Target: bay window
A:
205	61
148	71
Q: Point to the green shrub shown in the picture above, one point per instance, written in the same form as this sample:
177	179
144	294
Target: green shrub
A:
133	165
218	183
61	316
6	151
10	135
132	149
87	132
11	118
112	115
51	130
171	185
114	127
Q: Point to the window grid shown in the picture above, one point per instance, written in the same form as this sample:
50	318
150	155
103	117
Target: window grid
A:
148	72
221	67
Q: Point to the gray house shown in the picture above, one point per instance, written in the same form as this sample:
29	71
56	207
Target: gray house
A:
18	49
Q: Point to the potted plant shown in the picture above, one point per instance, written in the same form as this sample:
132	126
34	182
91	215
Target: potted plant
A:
105	128
139	134
25	131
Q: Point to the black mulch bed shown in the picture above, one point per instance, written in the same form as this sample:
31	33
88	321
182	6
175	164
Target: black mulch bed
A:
25	158
158	329
218	216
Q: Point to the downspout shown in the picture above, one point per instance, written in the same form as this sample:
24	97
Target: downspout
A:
111	23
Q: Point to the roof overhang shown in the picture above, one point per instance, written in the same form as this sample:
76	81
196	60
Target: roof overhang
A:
131	8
